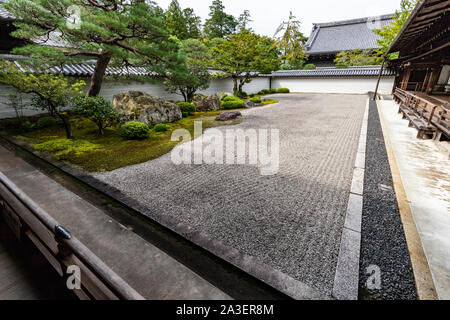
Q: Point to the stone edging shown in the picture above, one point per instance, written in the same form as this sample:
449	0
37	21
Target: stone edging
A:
346	280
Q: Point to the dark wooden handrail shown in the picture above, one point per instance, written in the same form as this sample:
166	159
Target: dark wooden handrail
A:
98	280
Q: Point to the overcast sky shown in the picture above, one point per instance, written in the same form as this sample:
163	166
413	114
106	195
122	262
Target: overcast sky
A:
267	15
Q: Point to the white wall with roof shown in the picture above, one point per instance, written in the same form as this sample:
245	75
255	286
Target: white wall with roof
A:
346	85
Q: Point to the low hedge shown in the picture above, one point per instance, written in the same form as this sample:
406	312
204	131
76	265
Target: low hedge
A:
283	90
135	130
255	100
231	98
161	127
236	104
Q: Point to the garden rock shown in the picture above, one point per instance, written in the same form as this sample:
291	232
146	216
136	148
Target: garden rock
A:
251	104
140	106
225	116
205	103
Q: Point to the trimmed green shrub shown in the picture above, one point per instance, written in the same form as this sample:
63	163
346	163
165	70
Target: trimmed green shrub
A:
186	107
255	100
46	122
161	127
231	98
309	66
273	90
283	90
242	94
135	130
237	104
98	109
185	114
264	91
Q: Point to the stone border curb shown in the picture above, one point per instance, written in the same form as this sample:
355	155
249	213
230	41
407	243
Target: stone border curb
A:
346	280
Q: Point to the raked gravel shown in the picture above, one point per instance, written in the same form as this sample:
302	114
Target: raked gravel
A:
292	221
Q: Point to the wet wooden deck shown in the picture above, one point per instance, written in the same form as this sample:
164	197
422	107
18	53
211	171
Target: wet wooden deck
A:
24	273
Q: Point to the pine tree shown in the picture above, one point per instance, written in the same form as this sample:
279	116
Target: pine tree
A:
175	21
124	32
220	23
244	21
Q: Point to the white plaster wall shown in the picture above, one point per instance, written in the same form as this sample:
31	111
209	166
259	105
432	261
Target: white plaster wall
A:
111	88
353	85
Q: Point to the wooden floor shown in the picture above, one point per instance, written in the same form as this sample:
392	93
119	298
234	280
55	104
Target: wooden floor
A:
25	274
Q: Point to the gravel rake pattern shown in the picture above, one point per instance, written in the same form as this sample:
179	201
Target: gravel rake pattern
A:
291	221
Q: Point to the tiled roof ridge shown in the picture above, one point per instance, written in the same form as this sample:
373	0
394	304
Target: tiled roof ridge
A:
353	21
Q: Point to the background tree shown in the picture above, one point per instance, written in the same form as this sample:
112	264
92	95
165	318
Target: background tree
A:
291	42
244	54
389	32
220	23
125	32
175	21
51	92
244	20
195	75
356	57
193	24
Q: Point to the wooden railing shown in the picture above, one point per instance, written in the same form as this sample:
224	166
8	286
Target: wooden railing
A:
425	115
60	248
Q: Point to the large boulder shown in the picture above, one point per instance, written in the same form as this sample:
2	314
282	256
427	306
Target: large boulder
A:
225	116
205	103
140	106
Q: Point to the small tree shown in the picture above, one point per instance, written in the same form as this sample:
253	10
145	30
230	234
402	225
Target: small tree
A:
16	102
99	110
195	76
245	54
51	93
291	42
244	20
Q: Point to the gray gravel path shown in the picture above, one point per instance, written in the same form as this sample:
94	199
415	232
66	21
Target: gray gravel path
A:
383	240
291	221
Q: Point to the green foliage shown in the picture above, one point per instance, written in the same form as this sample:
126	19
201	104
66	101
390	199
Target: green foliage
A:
356	58
183	24
264	92
99	110
194	75
273	90
231	98
185	114
186	107
219	24
243	54
291	43
51	92
283	90
389	32
117	32
66	147
46	122
234	104
161	127
309	66
135	130
255	100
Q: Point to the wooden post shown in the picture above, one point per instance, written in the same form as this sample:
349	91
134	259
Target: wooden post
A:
379	78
